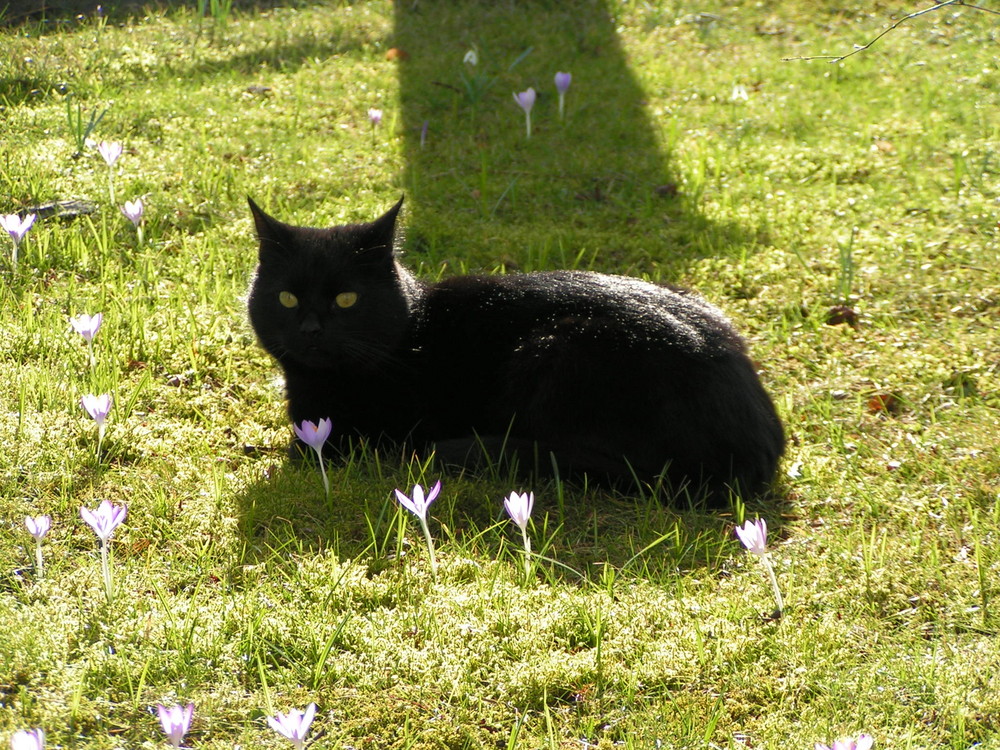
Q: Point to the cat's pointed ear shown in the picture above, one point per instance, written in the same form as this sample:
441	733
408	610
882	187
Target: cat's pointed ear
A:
382	232
273	234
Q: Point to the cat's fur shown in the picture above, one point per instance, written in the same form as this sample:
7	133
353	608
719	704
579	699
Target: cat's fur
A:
610	376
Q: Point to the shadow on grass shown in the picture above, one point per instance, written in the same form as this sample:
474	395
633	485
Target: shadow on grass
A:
57	13
593	189
578	534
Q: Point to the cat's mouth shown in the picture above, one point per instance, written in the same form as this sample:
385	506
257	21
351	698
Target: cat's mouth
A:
313	355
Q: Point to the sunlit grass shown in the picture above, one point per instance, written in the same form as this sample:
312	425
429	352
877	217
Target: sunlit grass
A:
245	587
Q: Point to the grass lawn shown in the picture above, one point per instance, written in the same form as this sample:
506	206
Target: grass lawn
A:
844	214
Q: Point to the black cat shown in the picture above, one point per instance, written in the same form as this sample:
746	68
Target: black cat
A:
608	376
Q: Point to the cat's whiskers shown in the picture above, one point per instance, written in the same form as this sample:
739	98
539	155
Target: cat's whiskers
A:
372	354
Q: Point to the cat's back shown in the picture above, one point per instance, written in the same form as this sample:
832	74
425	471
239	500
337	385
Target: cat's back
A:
637	311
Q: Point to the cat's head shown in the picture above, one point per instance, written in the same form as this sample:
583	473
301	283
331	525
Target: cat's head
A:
330	298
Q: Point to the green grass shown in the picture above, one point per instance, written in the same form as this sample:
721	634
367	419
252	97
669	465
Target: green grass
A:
873	183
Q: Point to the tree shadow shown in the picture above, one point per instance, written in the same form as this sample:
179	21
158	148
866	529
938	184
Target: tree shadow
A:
593	189
65	12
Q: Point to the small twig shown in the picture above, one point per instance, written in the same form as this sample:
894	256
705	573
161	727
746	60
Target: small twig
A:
862	47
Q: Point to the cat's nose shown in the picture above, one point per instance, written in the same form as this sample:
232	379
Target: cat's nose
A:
310	325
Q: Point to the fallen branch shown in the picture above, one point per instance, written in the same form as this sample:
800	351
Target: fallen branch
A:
862	47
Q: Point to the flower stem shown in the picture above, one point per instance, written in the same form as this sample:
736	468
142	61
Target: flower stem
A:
774	584
527	123
326	481
527	554
430	546
106	570
39	570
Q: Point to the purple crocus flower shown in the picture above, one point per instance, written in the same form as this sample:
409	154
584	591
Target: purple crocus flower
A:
315	435
16	227
294	725
519	508
375	117
175	721
97	407
28	739
417	505
87	326
863	742
104	519
526	100
753	534
38	526
133	211
111	151
562	85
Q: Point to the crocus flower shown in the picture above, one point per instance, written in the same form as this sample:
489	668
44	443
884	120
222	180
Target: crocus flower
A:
104	519
133	211
519	508
526	100
87	326
175	721
423	133
375	117
294	725
753	534
739	93
863	742
97	407
17	227
110	150
28	739
417	505
562	85
315	435
38	527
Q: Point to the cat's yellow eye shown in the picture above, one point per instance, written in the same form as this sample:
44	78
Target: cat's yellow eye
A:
287	299
346	299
